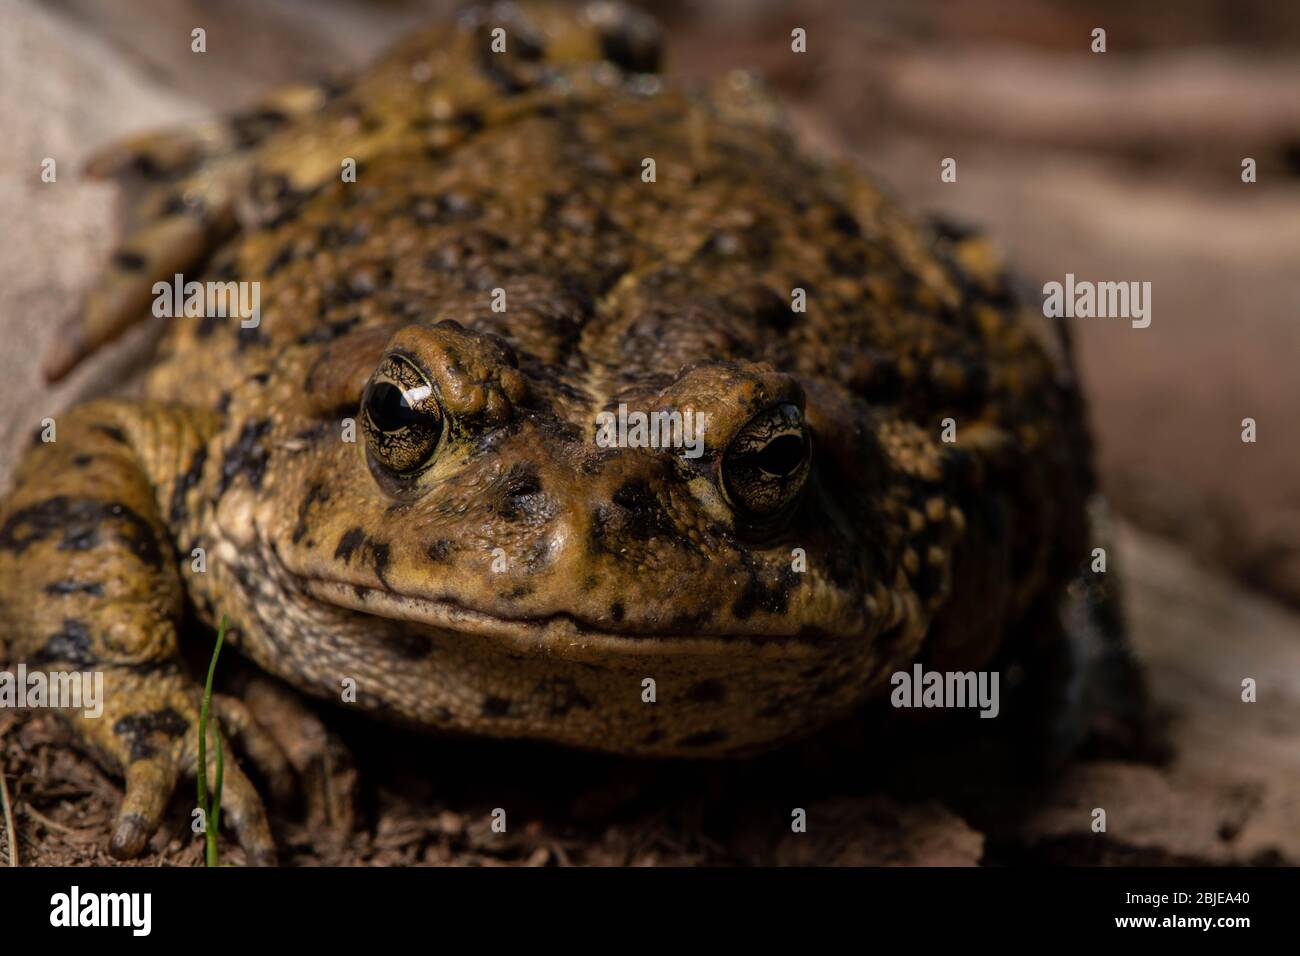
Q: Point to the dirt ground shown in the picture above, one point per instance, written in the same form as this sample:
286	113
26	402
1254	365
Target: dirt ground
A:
1122	167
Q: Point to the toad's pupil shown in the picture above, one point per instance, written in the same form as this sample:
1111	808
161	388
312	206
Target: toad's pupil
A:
782	455
388	407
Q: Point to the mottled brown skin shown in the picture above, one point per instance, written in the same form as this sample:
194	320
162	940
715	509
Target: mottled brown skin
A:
523	171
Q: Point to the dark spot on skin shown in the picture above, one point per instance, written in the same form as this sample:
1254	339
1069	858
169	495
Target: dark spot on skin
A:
243	574
527	46
333	236
78	520
314	434
616	612
844	222
646	515
501	75
261	378
207	325
537	556
153	667
66	588
184	482
352	539
71	645
112	431
223	403
828	687
634	51
470	253
409	645
637	515
653	737
871	373
340	412
590	582
274	196
760	596
447	207
81	461
561	695
517	592
252	127
709	691
495	706
380	554
224	268
246	456
138	728
440	550
329	331
128	260
315	492
765	307
951	229
248	337
705	738
850	262
690	622
281	259
144	165
175	205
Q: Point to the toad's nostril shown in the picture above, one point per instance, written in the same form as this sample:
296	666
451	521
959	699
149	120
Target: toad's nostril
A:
522	497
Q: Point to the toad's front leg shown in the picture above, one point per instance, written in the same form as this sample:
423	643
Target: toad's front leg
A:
89	583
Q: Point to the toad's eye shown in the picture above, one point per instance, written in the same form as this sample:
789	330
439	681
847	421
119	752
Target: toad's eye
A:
767	463
401	417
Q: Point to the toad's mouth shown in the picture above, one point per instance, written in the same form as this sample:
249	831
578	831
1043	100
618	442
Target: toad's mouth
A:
560	633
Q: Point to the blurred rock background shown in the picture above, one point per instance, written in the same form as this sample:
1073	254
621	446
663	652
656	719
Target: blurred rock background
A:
1117	166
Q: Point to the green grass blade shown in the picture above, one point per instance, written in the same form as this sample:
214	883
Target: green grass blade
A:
210	801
